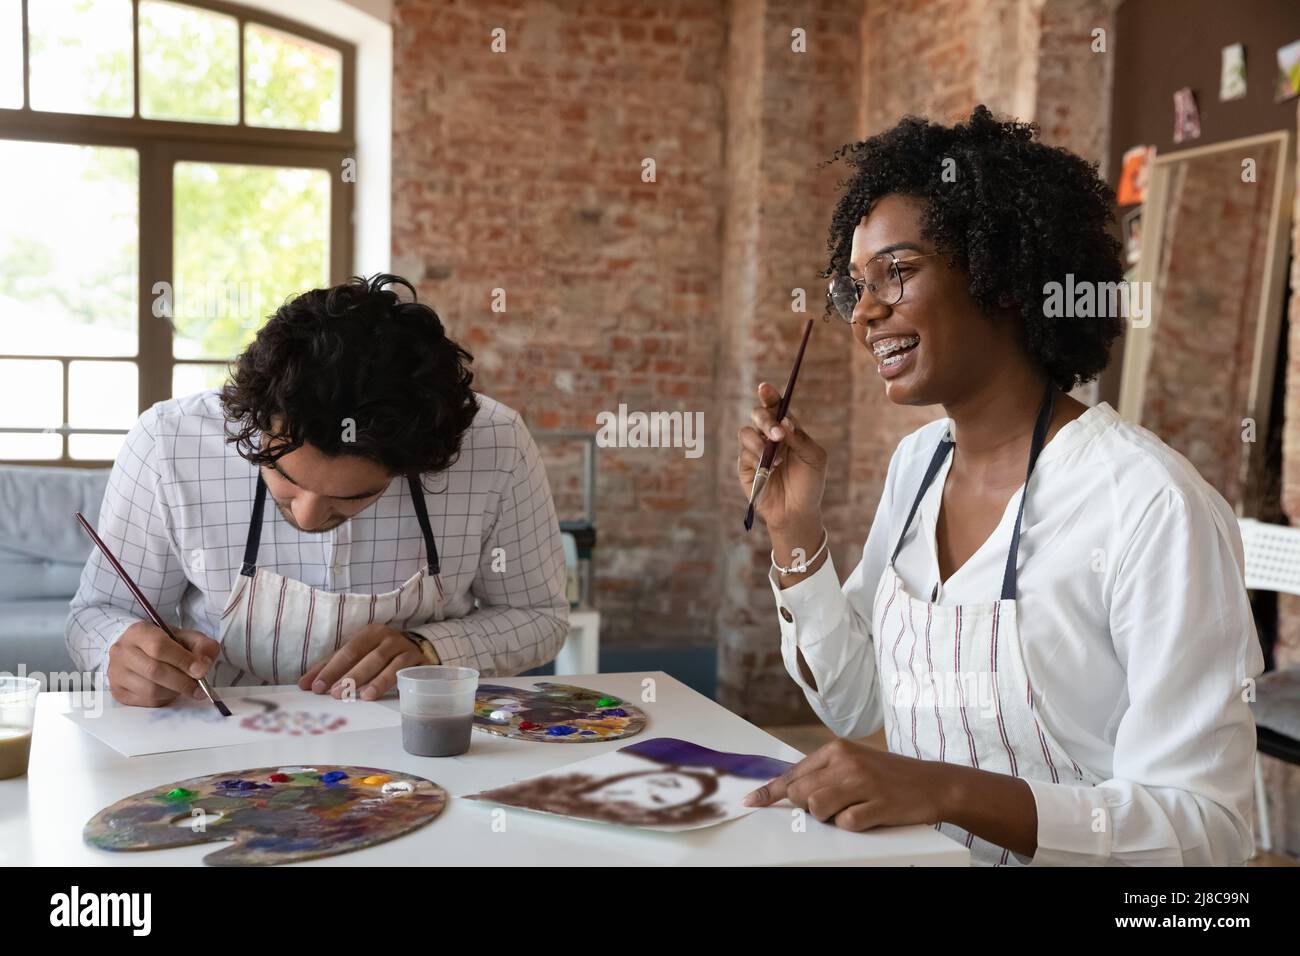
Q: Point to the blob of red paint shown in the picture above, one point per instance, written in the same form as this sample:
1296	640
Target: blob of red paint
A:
279	778
526	725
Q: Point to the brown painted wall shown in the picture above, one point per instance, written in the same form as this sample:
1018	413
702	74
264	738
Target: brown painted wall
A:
522	170
1163	45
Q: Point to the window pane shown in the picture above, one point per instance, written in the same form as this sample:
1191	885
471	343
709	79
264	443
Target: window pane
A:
11	54
102	394
31	393
42	447
189	64
81	56
289	82
69	254
245	239
95	447
188	379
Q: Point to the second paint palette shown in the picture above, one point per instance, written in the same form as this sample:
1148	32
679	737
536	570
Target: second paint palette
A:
555	713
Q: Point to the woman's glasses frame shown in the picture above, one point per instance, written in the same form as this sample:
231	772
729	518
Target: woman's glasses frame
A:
845	292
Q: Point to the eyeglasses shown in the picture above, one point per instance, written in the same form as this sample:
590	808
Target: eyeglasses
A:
880	276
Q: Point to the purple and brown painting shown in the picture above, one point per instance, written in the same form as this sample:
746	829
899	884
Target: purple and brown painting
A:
658	784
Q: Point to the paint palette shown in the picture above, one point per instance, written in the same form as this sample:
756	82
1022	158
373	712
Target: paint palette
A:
273	814
555	713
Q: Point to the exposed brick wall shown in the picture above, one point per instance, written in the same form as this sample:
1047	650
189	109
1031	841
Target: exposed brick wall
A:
1073	83
787	112
920	58
522	171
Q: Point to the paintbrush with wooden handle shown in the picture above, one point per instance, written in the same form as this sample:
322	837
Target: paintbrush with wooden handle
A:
764	469
154	616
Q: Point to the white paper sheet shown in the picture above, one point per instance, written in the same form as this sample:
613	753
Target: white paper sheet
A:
661	784
255	718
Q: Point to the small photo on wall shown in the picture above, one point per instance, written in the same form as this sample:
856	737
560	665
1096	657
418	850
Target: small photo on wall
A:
1187	118
1232	75
1133	236
1135	171
1288	71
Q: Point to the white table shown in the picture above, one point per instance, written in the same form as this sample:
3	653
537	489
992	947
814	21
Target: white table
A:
72	776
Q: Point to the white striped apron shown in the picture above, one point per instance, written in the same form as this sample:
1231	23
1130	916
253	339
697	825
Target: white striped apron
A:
274	629
953	677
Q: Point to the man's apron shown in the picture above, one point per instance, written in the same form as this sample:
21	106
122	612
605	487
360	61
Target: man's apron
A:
273	628
953	677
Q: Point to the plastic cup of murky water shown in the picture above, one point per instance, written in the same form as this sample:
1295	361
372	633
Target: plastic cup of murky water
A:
17	714
437	705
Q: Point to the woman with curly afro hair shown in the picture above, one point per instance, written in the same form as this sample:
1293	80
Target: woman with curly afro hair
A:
409	520
1049	620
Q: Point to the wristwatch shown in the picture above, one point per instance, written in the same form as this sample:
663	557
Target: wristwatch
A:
425	646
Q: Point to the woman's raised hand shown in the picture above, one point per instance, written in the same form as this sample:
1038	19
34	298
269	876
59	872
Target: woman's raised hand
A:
793	498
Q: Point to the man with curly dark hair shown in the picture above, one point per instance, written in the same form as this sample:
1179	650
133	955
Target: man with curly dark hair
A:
1058	664
402	499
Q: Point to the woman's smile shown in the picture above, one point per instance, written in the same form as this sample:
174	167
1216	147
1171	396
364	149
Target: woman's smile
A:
894	353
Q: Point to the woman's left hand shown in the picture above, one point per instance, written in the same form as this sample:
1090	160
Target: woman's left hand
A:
858	787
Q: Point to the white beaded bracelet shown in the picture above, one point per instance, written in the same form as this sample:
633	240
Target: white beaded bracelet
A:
801	568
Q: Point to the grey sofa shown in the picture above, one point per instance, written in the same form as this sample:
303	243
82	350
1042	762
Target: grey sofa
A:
42	551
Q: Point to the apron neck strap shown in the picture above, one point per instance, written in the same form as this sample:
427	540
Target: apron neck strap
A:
254	539
422	515
936	461
1036	446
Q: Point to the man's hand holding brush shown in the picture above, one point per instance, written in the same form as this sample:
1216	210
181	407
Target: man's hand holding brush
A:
146	668
791	505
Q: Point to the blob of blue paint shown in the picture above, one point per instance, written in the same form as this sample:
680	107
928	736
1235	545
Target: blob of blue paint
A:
614	712
333	776
561	730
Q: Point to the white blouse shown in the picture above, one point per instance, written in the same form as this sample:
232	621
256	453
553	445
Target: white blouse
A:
1136	628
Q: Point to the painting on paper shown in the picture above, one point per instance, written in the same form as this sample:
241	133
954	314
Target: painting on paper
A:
660	784
188	724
